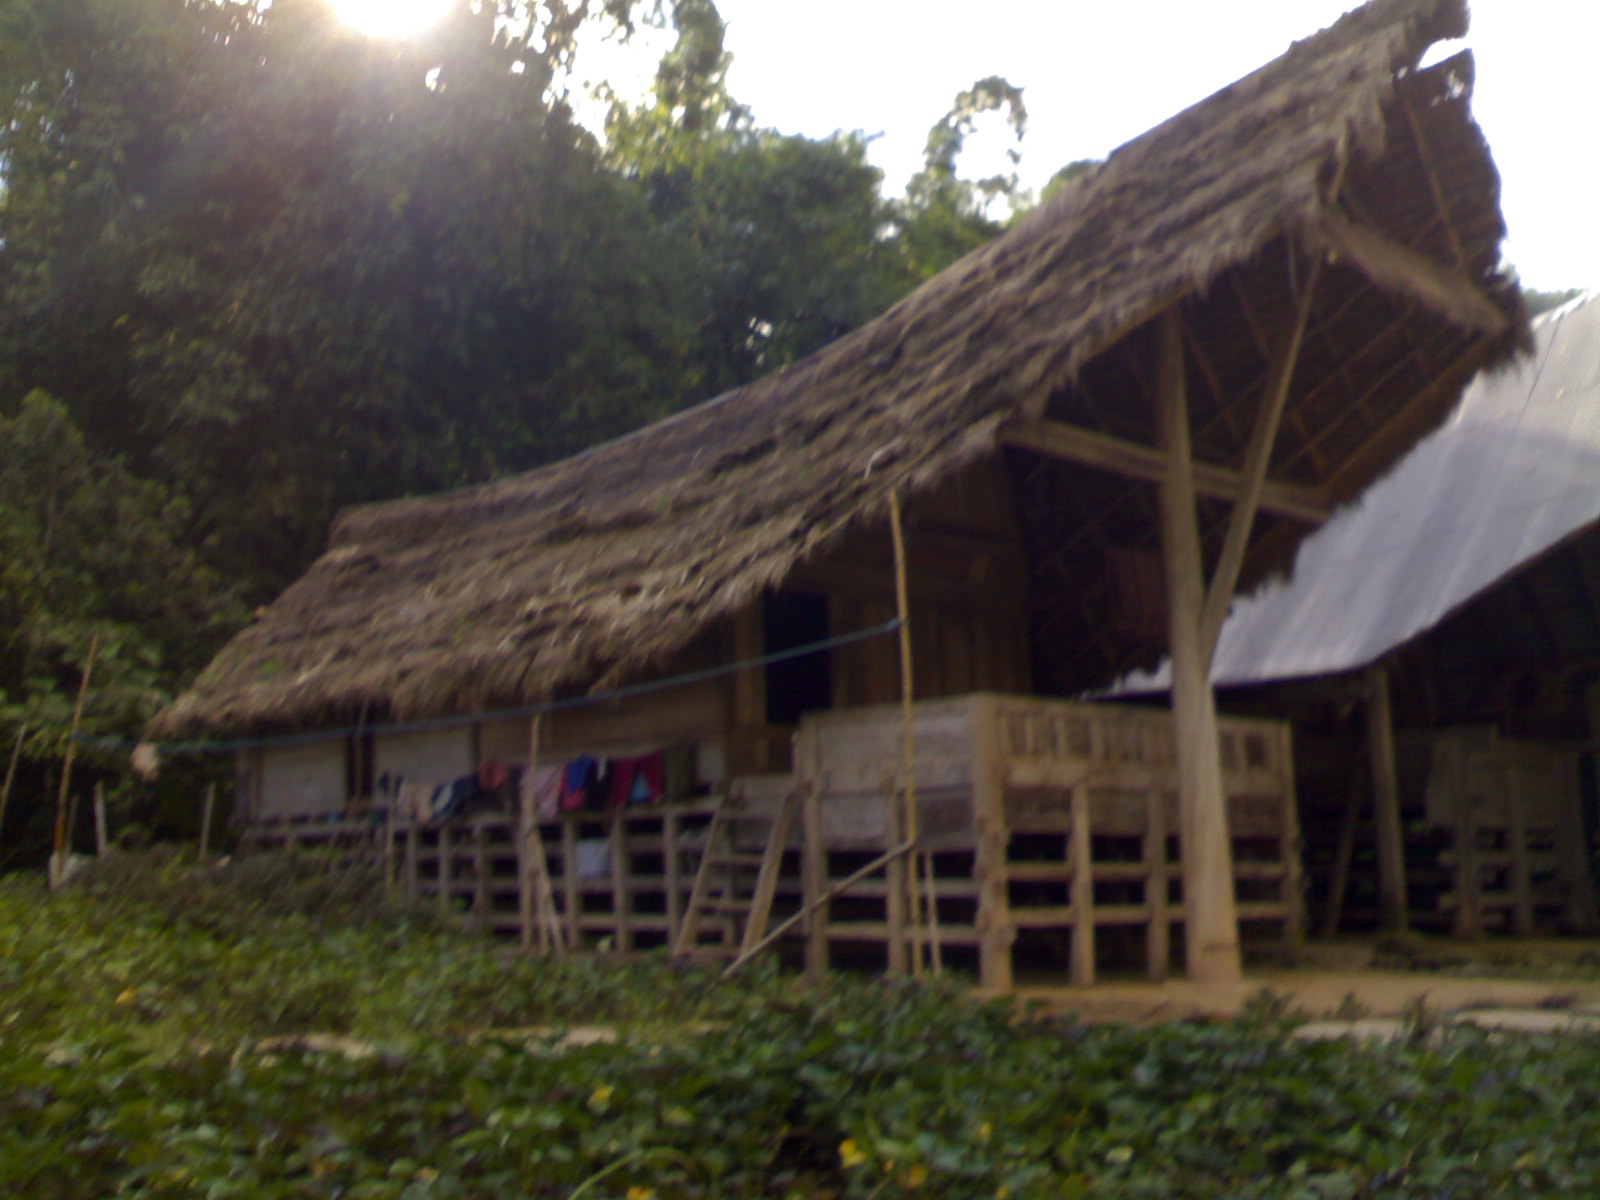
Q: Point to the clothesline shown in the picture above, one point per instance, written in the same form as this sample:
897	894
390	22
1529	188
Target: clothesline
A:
526	710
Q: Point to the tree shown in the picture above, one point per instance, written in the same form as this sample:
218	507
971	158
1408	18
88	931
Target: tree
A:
944	216
282	268
782	235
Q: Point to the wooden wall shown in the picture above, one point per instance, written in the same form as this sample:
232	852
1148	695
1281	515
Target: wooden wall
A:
294	781
967	578
428	755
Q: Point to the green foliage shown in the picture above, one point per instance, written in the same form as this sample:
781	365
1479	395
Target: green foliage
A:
944	216
132	1061
1539	302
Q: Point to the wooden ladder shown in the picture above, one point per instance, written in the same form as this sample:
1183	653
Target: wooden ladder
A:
725	904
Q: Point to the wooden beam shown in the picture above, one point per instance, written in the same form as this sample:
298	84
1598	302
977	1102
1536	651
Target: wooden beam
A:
1211	927
1398	268
1056	439
1386	801
1258	454
1415	417
1439	202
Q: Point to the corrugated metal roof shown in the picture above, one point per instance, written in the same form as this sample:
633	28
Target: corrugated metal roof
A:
1514	471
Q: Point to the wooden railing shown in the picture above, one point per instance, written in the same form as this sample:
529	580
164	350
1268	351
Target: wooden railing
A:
1047	819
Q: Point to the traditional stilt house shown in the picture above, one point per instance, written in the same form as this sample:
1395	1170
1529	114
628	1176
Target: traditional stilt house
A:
856	591
1438	647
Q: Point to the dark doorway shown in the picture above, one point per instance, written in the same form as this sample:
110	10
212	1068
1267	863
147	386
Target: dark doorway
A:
805	683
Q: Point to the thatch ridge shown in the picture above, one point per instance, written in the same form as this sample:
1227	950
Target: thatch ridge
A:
599	567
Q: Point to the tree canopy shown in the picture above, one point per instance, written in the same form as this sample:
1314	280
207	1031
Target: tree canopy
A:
258	267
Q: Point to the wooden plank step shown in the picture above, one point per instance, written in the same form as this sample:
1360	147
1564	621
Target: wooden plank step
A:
878	931
1037	872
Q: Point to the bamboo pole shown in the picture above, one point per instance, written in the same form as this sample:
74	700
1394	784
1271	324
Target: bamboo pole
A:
817	902
11	773
1254	474
1386	800
1343	854
58	860
1210	927
205	821
99	820
908	732
529	831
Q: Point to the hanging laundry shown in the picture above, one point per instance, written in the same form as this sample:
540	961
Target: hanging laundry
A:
542	789
414	801
592	859
637	780
493	775
578	776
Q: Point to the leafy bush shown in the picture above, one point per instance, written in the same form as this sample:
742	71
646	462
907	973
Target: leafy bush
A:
132	1062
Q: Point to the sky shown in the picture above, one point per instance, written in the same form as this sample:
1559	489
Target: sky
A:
1095	75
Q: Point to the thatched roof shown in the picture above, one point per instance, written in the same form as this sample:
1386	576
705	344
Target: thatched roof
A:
598	568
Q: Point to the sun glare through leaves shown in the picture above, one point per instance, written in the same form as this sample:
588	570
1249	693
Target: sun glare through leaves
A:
391	18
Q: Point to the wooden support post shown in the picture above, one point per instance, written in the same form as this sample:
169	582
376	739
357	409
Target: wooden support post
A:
1583	911
996	932
1211	927
815	864
480	877
412	866
11	773
767	878
1343	853
897	882
672	870
1158	934
388	850
58	857
621	886
527	836
749	691
1254	476
206	810
1517	847
100	843
1081	850
908	739
1469	882
569	878
1289	848
814	855
442	869
1386	801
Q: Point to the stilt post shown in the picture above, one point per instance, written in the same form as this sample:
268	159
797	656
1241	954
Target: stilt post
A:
58	856
1386	801
908	738
1211	927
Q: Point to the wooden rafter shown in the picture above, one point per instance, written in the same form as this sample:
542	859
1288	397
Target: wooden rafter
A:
1440	204
1408	422
1057	439
1225	578
1264	349
1398	268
